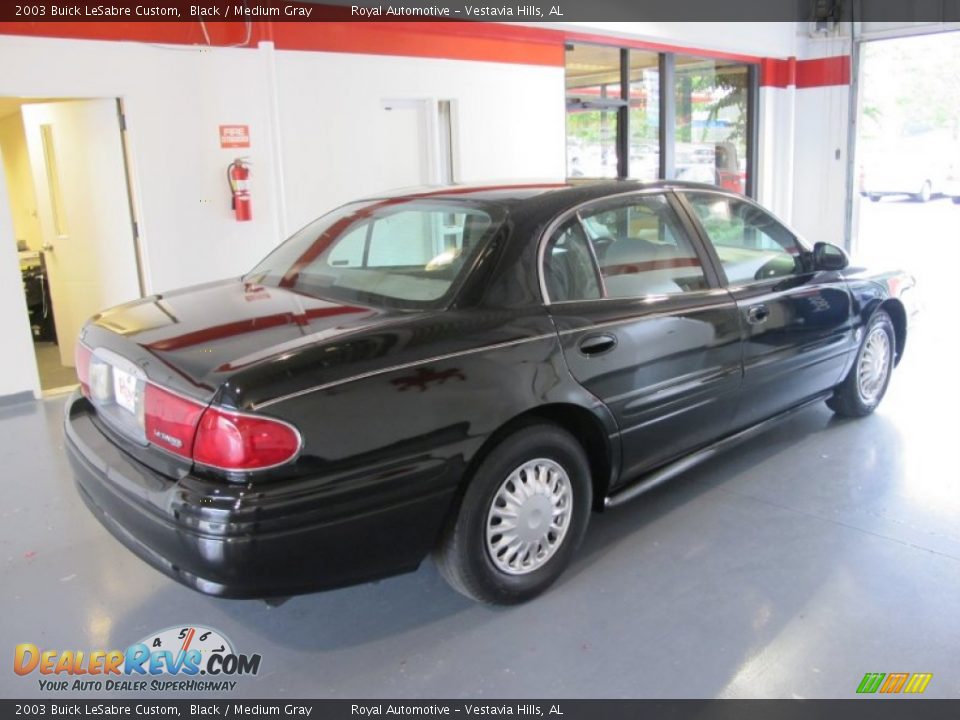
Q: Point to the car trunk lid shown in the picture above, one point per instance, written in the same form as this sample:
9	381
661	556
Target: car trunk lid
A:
152	366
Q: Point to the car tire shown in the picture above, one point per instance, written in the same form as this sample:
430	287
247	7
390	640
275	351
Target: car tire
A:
546	467
865	385
956	200
926	192
874	198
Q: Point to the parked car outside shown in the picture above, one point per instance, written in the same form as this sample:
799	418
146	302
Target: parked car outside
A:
916	166
466	372
951	187
711	163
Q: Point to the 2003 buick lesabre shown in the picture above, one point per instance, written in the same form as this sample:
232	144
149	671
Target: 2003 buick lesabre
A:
467	371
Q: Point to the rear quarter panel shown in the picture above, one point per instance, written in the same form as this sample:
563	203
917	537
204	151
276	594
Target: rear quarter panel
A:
407	430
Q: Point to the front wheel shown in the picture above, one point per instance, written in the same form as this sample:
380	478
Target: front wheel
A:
865	385
523	516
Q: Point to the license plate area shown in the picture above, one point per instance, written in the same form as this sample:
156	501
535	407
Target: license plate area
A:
117	388
125	392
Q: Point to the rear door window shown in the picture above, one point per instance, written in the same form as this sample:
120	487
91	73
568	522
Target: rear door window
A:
642	249
569	272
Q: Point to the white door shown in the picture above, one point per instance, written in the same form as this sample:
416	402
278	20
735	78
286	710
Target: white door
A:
420	143
79	173
404	160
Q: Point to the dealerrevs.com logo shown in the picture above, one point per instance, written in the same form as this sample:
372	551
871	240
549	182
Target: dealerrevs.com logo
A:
185	658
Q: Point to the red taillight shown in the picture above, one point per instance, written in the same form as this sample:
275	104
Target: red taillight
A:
243	442
81	361
209	436
170	421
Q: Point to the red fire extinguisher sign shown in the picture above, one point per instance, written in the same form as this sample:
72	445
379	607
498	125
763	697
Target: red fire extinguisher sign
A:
234	136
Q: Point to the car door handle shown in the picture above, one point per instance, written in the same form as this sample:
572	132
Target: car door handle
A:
757	314
597	344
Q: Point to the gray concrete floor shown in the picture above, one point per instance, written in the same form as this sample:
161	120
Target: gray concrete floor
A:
789	567
53	374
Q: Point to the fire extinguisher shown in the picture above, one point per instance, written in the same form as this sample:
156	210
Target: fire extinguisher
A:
238	175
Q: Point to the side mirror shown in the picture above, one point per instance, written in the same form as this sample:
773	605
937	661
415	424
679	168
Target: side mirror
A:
829	257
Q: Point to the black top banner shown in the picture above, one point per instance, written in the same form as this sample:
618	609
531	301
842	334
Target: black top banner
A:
521	11
866	709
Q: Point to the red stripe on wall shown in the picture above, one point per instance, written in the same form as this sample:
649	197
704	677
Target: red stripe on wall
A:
489	42
823	72
457	40
778	73
820	72
449	40
454	40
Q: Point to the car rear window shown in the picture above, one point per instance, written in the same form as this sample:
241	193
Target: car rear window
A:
399	252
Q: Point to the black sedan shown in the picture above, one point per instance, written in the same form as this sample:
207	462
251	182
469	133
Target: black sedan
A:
467	372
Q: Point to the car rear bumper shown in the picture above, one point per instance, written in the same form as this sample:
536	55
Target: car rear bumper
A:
237	541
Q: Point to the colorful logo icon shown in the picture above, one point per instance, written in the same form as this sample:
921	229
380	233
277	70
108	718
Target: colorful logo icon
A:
914	683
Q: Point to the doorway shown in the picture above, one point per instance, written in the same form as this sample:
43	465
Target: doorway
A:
67	178
907	161
906	200
427	153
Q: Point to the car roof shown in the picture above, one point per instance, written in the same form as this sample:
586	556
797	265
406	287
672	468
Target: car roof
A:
516	191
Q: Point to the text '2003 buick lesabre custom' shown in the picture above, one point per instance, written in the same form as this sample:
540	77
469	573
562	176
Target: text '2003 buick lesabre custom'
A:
467	372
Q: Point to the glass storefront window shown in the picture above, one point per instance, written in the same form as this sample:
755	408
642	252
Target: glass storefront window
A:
616	97
592	143
593	100
644	115
711	127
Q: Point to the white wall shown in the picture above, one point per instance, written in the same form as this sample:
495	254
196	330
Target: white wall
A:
821	148
820	163
318	131
19	366
175	99
509	122
775	154
510	117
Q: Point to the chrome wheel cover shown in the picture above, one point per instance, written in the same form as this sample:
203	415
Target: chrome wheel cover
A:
529	517
873	366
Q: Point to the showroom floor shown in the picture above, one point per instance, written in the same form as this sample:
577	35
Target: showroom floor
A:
789	567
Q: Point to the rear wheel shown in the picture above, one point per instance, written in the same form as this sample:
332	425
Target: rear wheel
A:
874	198
865	385
523	516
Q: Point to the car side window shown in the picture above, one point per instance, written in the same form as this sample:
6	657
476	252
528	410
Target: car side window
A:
751	245
643	250
568	270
